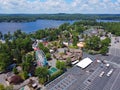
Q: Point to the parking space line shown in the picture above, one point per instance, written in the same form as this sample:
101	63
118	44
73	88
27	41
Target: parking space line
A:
115	81
111	58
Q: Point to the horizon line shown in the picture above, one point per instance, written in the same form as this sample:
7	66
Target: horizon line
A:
61	13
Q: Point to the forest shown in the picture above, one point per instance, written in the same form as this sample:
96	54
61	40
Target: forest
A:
59	16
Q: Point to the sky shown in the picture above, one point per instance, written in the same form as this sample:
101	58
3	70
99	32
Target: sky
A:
60	6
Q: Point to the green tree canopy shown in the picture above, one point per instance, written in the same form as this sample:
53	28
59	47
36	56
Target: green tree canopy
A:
42	73
105	42
60	65
4	61
93	43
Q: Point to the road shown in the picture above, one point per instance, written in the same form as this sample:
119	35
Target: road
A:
114	49
2	79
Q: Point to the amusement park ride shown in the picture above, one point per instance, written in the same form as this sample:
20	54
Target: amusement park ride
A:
40	56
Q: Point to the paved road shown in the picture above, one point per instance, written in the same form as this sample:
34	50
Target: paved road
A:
52	62
114	49
2	79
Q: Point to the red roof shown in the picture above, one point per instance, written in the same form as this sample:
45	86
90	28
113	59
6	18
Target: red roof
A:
15	79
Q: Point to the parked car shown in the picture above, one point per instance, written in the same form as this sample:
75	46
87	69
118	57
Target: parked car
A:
110	72
101	74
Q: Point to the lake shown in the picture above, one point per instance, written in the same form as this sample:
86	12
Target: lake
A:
107	20
34	26
31	26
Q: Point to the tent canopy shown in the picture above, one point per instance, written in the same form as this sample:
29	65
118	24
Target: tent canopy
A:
84	63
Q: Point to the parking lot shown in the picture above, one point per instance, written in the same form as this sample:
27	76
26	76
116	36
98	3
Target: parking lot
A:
105	82
94	77
89	78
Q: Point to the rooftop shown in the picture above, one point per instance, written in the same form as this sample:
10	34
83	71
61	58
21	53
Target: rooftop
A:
84	63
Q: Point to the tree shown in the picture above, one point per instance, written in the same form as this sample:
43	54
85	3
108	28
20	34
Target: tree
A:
79	29
1	35
68	62
45	50
64	26
4	61
17	55
5	36
105	42
9	35
75	40
42	73
104	50
27	62
15	70
48	55
93	43
25	66
42	47
29	58
60	65
25	74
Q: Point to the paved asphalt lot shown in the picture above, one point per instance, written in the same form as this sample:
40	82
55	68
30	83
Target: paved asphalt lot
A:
89	79
2	79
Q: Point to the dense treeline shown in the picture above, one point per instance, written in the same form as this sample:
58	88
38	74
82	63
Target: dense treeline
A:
61	16
14	49
114	28
95	45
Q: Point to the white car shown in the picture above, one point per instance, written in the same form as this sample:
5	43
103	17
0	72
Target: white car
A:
110	72
101	74
107	65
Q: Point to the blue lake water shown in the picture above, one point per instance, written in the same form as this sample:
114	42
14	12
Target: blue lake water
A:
107	21
34	26
31	26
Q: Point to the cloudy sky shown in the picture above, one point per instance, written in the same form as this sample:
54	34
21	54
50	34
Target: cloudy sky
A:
60	6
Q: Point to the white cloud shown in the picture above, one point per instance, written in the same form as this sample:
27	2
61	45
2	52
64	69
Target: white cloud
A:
57	6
